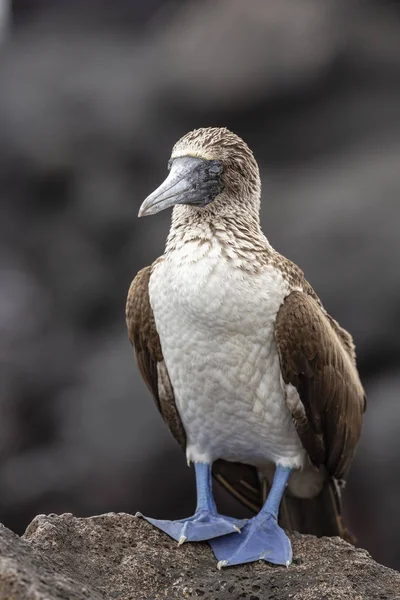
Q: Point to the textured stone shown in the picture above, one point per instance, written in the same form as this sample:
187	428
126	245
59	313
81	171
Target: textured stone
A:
119	556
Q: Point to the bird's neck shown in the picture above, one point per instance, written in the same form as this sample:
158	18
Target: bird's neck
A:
196	233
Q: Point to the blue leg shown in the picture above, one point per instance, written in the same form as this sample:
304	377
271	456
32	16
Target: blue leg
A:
261	537
206	523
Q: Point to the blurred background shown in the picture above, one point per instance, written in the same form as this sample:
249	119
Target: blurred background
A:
92	97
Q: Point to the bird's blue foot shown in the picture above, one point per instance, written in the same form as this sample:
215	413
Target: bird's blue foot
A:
203	525
206	523
260	539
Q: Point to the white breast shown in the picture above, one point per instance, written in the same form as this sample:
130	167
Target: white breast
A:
216	326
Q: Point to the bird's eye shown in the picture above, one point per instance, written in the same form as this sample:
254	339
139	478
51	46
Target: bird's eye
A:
169	165
215	169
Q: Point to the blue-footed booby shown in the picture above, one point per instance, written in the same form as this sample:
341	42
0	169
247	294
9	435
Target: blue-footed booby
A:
256	381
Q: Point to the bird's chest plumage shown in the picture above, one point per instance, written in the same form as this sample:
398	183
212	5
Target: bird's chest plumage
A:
216	326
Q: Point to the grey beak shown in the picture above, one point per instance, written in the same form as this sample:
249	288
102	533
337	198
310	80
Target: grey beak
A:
174	190
191	180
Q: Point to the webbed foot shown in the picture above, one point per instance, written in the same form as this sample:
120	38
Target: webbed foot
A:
260	539
203	525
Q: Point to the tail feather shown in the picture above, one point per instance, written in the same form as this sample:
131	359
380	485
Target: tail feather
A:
320	516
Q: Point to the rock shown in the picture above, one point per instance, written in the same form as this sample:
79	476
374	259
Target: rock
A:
119	556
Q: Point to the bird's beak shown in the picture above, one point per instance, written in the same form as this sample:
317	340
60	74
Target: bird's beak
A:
190	181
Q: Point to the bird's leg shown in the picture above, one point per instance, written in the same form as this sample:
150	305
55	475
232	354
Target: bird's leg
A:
206	523
261	537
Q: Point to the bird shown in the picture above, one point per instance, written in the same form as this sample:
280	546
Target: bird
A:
256	381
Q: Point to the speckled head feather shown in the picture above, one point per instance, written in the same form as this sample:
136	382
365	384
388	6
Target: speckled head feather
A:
241	173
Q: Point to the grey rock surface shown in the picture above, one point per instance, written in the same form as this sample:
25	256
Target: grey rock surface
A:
119	556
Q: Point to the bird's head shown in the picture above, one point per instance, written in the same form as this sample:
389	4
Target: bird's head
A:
209	167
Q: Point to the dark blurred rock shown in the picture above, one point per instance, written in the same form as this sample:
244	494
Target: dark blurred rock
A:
375	473
119	556
226	54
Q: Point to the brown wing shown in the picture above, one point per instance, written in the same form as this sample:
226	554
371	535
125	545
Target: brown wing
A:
146	343
317	358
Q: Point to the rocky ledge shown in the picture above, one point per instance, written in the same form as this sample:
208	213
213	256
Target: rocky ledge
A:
117	556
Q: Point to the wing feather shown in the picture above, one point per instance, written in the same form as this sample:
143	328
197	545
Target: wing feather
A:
145	340
317	357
